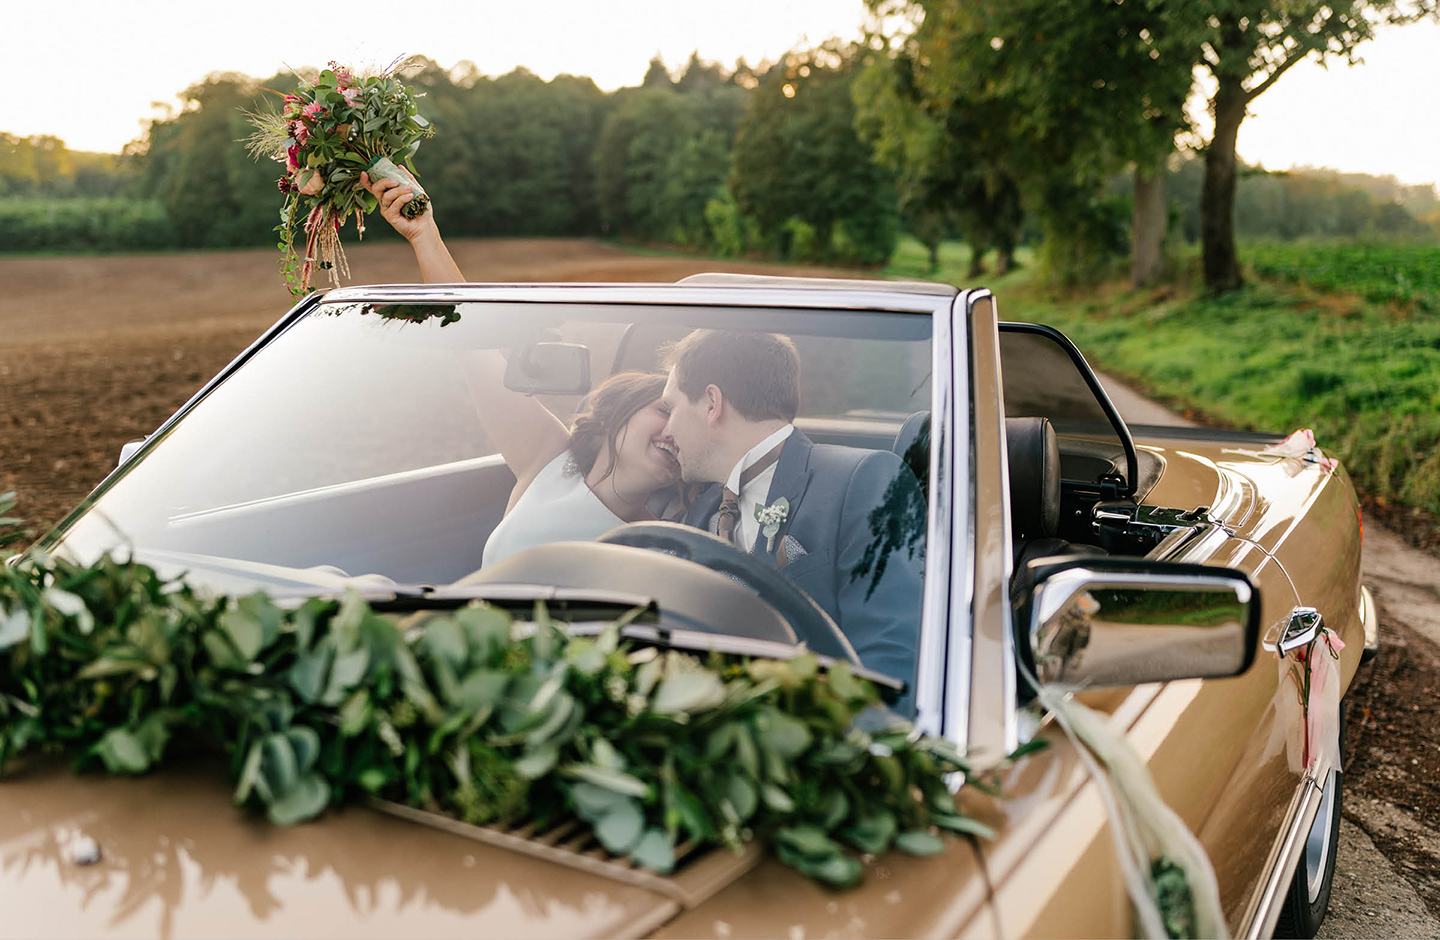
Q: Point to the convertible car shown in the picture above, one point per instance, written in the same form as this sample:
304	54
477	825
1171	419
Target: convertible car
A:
1172	579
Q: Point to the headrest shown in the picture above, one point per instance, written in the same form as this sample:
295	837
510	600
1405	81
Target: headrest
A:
1034	454
912	445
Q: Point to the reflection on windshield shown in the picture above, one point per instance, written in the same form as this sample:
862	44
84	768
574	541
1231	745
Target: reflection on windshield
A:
386	441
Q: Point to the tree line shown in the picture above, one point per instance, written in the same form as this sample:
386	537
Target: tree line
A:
996	121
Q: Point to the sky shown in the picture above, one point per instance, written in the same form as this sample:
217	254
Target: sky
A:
95	80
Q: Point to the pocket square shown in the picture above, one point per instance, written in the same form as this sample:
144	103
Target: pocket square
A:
790	549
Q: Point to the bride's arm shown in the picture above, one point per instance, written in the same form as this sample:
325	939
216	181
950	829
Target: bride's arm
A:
527	435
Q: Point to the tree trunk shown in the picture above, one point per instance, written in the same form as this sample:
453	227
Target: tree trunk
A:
1004	259
1217	195
934	248
1147	228
977	262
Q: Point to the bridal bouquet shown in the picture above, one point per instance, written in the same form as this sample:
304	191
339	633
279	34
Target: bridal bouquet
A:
327	132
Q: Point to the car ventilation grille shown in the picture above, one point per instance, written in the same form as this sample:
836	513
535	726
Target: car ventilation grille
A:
699	870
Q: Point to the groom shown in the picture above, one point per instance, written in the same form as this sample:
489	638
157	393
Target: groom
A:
731	398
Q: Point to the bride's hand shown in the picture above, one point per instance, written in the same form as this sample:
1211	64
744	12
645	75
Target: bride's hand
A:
392	196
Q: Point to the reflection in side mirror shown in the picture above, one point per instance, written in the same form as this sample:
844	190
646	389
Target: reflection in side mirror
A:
1114	622
128	449
549	369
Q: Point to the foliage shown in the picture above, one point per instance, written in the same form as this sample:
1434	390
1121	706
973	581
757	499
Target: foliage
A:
330	130
999	101
42	166
1275	358
103	224
467	713
1405	275
798	161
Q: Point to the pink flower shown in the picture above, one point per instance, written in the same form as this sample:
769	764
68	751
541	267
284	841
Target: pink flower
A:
350	95
314	109
309	181
292	157
342	74
302	133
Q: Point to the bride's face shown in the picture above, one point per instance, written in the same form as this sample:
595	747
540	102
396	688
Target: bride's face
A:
644	449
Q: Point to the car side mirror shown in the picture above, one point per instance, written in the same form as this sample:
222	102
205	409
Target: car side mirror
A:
549	369
1097	621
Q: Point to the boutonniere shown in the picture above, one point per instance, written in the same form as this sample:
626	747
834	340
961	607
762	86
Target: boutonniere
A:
770	518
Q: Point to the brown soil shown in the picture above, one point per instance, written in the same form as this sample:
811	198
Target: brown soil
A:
1392	759
97	351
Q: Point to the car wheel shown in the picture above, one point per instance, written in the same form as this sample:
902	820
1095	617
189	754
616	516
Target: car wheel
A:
1309	895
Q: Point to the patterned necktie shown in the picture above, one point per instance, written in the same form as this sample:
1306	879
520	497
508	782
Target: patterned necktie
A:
727	516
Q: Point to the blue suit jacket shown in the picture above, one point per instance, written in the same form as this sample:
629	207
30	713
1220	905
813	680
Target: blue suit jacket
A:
833	492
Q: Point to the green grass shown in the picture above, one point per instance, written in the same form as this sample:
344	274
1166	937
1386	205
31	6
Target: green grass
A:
1274	356
911	260
1404	275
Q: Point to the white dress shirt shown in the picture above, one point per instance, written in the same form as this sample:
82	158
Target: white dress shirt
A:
757	492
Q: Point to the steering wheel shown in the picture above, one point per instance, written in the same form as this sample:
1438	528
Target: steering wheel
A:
810	621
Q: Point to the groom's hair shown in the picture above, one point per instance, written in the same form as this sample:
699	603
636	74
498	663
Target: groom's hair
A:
758	373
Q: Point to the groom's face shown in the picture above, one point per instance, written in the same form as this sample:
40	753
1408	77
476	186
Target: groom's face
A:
692	431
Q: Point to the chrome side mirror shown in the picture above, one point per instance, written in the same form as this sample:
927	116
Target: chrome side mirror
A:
1096	621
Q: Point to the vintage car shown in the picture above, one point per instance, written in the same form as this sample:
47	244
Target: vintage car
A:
1167	576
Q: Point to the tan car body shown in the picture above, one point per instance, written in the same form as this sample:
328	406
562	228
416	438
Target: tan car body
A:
178	859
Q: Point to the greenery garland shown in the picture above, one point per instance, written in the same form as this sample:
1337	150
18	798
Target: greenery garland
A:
467	712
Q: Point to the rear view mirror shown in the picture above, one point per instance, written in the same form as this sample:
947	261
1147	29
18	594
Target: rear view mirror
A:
549	369
1095	621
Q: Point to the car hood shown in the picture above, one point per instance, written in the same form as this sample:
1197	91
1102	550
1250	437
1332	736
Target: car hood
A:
178	858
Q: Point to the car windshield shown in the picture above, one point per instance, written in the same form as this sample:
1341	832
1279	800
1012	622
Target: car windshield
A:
356	446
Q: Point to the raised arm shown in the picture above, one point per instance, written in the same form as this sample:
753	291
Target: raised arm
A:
527	435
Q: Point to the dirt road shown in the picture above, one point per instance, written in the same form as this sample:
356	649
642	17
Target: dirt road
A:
97	351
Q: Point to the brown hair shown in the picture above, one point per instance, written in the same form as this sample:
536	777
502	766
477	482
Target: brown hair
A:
606	410
758	373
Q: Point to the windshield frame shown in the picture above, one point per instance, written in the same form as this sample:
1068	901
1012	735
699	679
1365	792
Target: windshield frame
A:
943	646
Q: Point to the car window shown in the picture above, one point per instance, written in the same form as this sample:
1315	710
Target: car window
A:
362	412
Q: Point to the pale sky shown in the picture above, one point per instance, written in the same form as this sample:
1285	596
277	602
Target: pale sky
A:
89	70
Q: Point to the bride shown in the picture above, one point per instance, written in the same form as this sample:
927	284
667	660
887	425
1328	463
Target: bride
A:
573	483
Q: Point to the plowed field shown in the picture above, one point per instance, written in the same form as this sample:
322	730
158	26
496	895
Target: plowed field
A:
96	351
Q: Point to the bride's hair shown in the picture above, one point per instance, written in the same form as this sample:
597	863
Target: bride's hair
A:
604	413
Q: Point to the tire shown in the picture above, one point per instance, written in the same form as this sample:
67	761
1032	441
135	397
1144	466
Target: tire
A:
1308	897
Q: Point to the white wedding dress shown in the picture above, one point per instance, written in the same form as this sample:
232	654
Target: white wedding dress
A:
557	506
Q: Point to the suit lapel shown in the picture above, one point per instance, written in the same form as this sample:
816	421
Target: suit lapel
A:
792	476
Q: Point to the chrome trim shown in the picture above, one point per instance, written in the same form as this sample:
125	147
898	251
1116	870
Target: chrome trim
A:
1370	617
1263	912
938	642
796	294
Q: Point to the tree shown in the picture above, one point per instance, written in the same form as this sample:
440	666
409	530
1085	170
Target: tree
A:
1054	97
1249	46
797	157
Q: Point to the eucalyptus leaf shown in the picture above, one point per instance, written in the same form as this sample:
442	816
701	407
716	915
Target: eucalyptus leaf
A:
610	779
122	752
838	871
807	840
249	772
279	767
593	802
305	800
483	687
964	825
686	692
537	763
621	828
785	736
742	796
444	639
871	833
305	742
14	626
776	798
656	851
919	842
308	674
